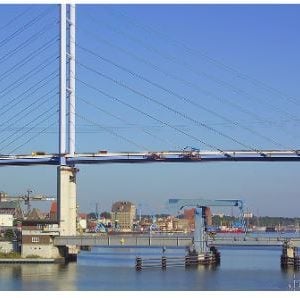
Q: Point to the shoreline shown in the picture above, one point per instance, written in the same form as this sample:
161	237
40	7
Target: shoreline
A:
31	261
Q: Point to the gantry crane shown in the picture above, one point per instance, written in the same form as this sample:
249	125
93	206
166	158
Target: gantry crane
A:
200	205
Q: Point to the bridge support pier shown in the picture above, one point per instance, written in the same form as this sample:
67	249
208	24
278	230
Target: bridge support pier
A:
69	253
67	207
66	200
200	233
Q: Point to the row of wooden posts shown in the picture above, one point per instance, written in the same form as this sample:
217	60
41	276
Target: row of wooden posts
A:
165	262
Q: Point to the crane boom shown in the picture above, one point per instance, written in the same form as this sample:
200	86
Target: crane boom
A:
182	203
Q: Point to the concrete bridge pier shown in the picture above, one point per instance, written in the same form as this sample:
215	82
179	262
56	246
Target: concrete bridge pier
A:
67	206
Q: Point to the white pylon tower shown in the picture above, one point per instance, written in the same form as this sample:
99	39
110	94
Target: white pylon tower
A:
62	83
67	80
71	87
66	175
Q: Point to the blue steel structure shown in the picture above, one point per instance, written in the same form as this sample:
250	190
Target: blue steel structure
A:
200	205
100	227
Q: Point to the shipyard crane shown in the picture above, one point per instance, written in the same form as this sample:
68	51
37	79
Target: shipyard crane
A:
200	205
27	198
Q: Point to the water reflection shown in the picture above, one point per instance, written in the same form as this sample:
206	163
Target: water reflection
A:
107	269
124	256
38	277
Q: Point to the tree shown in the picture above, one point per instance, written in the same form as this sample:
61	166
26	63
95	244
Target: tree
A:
106	215
9	234
92	215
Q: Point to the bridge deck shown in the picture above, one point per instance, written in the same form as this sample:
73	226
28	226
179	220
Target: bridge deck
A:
179	241
146	157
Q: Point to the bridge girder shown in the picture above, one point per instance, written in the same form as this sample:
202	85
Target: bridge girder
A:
151	157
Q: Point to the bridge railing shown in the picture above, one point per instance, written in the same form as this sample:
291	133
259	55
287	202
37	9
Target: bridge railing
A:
117	240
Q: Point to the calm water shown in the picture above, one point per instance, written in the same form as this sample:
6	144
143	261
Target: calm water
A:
113	269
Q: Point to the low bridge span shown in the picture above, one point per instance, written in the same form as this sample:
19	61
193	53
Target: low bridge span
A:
167	241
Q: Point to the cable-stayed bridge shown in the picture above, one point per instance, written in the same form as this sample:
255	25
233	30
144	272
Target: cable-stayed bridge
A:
31	64
38	94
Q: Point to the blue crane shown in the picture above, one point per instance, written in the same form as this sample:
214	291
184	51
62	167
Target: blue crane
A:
200	205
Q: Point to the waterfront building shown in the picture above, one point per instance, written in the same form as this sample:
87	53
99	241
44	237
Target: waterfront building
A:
6	220
6	246
38	237
189	215
181	225
53	211
35	214
123	214
145	224
208	216
165	223
11	207
91	225
82	221
38	243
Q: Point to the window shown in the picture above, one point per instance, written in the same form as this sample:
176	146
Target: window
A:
35	239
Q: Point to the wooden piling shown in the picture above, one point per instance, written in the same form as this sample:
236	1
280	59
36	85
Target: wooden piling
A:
164	263
138	264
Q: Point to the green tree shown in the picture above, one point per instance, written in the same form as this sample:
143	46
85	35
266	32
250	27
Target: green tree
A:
9	234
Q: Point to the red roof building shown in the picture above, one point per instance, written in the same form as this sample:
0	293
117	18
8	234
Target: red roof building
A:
53	210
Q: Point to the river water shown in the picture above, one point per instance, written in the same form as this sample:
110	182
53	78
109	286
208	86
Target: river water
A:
245	269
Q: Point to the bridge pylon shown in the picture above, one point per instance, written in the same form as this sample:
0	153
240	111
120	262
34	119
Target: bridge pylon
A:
66	175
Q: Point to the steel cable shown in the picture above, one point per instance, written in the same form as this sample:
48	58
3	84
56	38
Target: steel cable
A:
198	123
28	58
194	86
29	129
112	132
15	18
27	42
22	79
26	91
36	135
25	27
149	116
189	67
124	121
24	109
212	60
180	97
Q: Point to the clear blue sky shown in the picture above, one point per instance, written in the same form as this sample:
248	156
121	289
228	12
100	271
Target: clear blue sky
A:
240	62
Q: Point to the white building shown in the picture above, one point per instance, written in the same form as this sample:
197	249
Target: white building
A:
6	220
